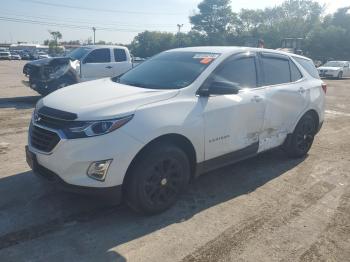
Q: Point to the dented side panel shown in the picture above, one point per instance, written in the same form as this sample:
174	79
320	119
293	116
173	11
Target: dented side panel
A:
284	105
233	122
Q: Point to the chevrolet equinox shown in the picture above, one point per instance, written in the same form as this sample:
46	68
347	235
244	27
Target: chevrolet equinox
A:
143	135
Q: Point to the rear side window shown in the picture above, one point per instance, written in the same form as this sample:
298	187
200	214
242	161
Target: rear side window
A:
276	71
99	56
241	72
295	72
309	66
119	55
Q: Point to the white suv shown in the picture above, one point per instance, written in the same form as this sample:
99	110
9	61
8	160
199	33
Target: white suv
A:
184	112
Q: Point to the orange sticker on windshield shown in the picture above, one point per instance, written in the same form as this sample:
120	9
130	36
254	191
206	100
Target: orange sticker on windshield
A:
206	60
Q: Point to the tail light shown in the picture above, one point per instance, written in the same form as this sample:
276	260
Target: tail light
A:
324	87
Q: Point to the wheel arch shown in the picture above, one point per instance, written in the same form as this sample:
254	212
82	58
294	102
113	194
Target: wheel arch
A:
314	114
173	138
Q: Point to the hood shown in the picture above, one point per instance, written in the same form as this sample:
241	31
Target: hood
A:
329	68
50	61
103	99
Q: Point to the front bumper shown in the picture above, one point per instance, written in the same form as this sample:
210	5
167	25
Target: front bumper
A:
50	177
330	74
70	158
44	87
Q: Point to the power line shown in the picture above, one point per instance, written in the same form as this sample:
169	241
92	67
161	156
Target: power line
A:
98	9
65	25
84	21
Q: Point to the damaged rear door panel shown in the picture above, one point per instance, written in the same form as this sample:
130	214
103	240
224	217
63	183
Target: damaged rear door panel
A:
286	96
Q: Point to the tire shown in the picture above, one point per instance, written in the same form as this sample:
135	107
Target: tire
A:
340	75
300	142
157	178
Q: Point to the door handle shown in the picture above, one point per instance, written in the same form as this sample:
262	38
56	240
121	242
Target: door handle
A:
257	99
302	90
108	67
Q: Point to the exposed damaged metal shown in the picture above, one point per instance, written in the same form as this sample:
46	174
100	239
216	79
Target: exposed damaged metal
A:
47	75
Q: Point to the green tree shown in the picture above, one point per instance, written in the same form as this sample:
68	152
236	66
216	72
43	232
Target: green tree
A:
342	18
215	19
330	40
55	36
149	43
53	44
215	24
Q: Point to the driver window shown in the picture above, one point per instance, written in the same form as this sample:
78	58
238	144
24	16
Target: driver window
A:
99	56
241	72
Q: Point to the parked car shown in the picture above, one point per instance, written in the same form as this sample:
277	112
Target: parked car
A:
5	56
179	114
137	60
15	56
83	64
335	69
25	55
42	56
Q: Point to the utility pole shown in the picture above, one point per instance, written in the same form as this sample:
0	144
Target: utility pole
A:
178	33
94	29
179	27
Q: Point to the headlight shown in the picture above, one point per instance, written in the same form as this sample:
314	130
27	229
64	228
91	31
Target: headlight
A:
60	71
95	128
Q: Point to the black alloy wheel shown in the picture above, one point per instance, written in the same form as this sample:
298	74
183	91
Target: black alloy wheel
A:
300	142
164	183
305	136
157	178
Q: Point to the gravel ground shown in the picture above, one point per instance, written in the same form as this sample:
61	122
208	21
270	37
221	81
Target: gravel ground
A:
269	208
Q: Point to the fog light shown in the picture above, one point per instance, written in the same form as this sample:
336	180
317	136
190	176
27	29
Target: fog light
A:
98	170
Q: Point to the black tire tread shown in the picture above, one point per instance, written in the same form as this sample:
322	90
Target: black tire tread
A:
132	196
290	144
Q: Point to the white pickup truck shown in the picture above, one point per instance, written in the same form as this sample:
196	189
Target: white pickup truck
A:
82	64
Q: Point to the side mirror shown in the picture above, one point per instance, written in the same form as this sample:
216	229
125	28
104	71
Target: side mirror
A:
220	88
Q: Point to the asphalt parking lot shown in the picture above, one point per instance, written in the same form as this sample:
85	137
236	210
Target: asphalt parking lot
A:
269	208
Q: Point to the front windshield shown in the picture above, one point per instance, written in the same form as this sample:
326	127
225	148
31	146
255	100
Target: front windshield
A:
79	53
168	70
334	64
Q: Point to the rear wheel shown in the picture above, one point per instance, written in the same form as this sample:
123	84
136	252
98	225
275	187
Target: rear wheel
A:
157	179
300	142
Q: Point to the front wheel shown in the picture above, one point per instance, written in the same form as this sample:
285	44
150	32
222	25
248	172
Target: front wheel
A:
340	75
300	142
157	178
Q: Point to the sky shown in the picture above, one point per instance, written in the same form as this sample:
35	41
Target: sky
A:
116	21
